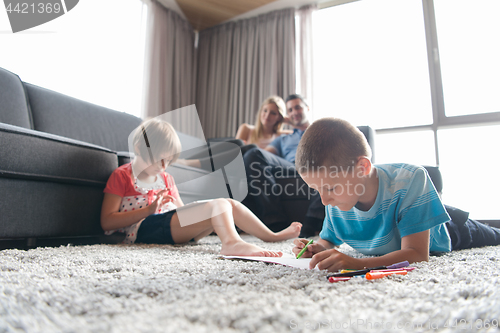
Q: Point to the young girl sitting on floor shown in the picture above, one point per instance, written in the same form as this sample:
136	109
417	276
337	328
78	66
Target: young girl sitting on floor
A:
144	205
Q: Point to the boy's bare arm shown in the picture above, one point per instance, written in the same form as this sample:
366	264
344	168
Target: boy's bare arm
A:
414	248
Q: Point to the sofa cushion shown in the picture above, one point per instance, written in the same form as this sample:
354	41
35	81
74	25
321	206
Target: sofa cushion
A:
62	115
14	107
28	154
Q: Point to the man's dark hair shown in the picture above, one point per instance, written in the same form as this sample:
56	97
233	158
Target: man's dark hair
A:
295	96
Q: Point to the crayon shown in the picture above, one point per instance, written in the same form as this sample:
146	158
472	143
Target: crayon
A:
338	279
304	249
408	269
366	270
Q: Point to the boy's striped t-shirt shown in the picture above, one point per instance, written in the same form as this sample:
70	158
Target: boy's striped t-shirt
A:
406	203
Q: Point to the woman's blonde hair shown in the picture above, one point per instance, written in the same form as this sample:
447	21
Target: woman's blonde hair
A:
280	104
155	137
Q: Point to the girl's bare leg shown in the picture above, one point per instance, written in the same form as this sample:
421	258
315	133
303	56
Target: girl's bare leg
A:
203	234
223	225
185	234
249	223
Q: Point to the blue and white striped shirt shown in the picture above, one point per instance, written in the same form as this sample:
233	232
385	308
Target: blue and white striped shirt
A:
406	203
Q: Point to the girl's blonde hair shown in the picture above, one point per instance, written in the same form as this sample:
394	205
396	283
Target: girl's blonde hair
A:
155	137
257	133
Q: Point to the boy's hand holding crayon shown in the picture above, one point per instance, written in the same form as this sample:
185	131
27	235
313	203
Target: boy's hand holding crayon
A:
312	249
333	260
329	259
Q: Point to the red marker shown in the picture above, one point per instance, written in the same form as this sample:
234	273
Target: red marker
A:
333	279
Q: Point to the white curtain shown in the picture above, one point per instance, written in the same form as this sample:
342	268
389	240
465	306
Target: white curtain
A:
169	66
239	65
304	56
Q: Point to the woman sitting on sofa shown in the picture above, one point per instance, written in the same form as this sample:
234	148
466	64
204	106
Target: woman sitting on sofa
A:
268	123
268	126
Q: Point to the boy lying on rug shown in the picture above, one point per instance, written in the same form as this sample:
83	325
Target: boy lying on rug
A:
390	210
144	206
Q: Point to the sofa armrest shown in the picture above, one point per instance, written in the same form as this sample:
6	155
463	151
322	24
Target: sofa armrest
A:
369	134
32	154
435	176
124	157
54	184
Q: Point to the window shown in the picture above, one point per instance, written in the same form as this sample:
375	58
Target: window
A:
370	62
468	163
469	48
94	53
424	74
415	147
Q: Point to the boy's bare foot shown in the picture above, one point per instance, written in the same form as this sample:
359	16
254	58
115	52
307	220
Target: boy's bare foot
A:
241	248
292	231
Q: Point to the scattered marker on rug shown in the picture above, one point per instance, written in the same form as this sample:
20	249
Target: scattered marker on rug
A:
400	268
338	279
378	275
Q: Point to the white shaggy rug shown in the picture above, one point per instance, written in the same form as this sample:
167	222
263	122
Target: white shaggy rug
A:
161	288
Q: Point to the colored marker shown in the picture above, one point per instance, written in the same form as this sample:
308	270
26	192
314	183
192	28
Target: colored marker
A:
379	275
366	270
356	273
338	279
304	249
408	269
399	265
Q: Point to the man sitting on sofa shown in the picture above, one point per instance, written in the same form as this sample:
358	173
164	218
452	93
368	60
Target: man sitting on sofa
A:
278	158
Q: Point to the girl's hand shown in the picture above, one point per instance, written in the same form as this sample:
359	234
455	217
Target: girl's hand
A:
161	199
166	199
311	249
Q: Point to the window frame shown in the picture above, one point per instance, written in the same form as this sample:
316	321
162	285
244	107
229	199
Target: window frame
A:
439	118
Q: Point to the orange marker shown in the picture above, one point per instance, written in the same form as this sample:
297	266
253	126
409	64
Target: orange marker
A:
378	275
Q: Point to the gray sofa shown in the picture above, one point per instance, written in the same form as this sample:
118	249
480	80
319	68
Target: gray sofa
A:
57	153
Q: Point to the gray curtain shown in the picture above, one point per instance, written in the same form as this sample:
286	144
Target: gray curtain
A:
170	65
305	55
239	65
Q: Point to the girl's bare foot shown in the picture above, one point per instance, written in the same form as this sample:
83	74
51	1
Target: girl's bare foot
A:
292	231
241	248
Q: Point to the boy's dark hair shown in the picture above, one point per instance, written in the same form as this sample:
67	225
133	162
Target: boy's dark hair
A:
295	96
330	142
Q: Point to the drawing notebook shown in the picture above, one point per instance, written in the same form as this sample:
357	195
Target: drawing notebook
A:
285	260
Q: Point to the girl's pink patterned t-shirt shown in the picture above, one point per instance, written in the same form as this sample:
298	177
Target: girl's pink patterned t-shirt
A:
134	197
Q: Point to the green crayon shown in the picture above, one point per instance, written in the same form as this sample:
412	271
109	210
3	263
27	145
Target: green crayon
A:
304	249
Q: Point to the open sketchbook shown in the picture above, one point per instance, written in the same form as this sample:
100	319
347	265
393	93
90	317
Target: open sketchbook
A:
285	260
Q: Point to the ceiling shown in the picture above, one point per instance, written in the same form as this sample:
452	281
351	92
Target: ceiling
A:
204	14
